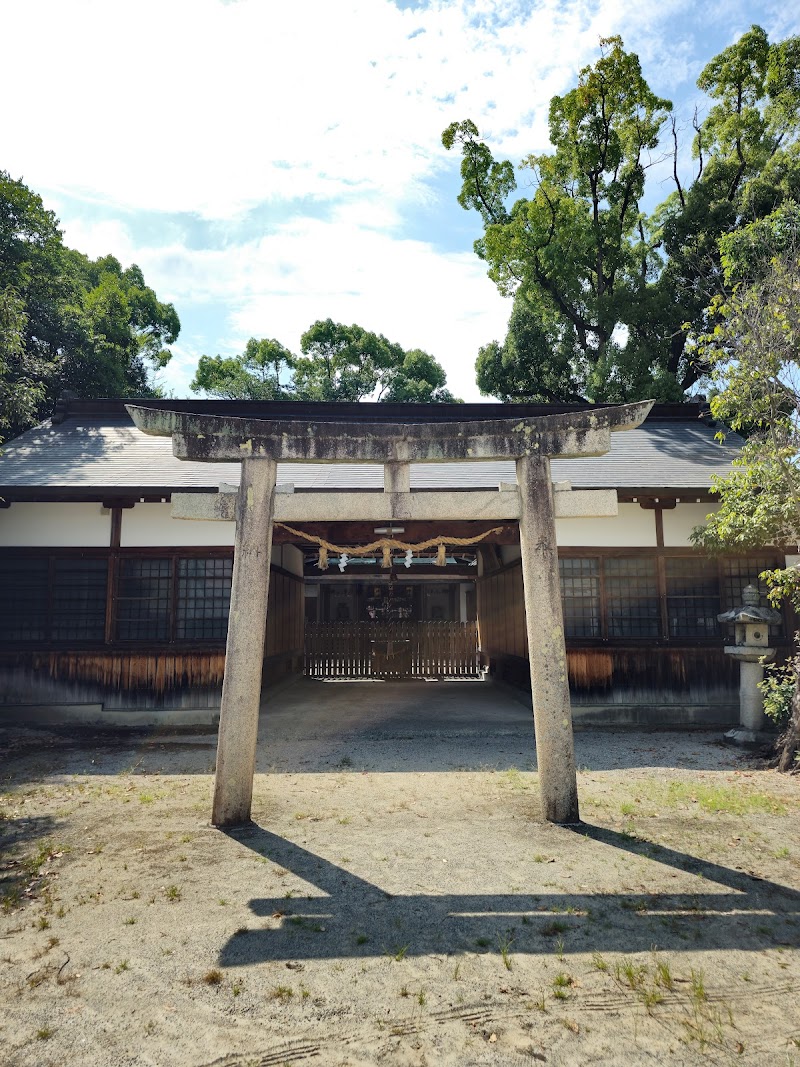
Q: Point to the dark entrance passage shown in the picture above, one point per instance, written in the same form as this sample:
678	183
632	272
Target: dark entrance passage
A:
394	650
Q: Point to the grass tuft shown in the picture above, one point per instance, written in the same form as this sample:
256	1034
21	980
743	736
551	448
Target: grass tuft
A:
504	944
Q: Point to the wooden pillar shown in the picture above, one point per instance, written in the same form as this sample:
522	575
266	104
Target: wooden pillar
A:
244	654
547	653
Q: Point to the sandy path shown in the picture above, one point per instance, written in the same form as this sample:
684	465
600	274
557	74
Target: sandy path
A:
397	900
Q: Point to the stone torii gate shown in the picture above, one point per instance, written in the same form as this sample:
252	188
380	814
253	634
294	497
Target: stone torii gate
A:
259	445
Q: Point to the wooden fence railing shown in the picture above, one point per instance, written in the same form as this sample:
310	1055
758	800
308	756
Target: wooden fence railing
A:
392	649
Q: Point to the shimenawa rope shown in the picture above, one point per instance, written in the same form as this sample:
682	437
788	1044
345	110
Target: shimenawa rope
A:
386	544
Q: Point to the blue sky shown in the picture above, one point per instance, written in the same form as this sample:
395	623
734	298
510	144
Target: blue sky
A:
269	164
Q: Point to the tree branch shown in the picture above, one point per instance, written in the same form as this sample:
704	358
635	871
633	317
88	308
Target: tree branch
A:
698	129
675	163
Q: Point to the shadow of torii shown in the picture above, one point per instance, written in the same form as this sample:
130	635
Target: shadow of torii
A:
358	919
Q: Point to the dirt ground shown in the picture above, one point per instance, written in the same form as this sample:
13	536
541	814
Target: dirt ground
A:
397	899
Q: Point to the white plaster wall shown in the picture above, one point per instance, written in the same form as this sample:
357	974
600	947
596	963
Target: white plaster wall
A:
633	527
463	589
681	520
509	553
289	557
152	525
56	525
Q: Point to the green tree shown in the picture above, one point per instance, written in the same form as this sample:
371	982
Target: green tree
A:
32	289
605	288
753	351
69	322
535	362
350	363
338	363
342	362
417	378
262	372
22	373
117	336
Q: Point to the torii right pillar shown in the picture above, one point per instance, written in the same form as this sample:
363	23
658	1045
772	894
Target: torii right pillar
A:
552	714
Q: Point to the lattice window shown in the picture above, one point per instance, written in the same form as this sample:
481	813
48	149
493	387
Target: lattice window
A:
580	596
693	597
24	594
204	595
143	599
632	604
739	571
79	599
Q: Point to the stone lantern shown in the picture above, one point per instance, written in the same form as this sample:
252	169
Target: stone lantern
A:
751	635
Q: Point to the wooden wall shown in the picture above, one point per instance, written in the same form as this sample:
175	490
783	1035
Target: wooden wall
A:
647	674
178	675
501	613
285	614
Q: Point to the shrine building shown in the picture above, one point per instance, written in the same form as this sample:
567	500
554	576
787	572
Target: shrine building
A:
116	565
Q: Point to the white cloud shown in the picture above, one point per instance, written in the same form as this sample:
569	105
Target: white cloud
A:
211	108
277	285
214	108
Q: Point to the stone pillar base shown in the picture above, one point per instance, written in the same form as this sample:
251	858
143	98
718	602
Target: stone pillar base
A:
745	738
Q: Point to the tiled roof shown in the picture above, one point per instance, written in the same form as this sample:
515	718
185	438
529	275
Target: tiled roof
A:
91	451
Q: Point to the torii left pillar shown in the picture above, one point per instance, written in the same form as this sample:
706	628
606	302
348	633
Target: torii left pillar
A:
244	653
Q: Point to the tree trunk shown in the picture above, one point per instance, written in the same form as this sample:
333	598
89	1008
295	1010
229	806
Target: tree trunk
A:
790	741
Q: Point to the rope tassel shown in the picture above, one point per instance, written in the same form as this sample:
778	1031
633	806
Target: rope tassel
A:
441	556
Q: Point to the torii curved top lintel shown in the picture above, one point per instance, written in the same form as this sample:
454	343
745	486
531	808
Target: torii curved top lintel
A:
226	439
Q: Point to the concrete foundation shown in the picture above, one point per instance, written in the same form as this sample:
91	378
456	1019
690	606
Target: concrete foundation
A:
642	716
103	718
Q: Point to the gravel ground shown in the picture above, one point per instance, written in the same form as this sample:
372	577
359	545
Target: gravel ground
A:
397	899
